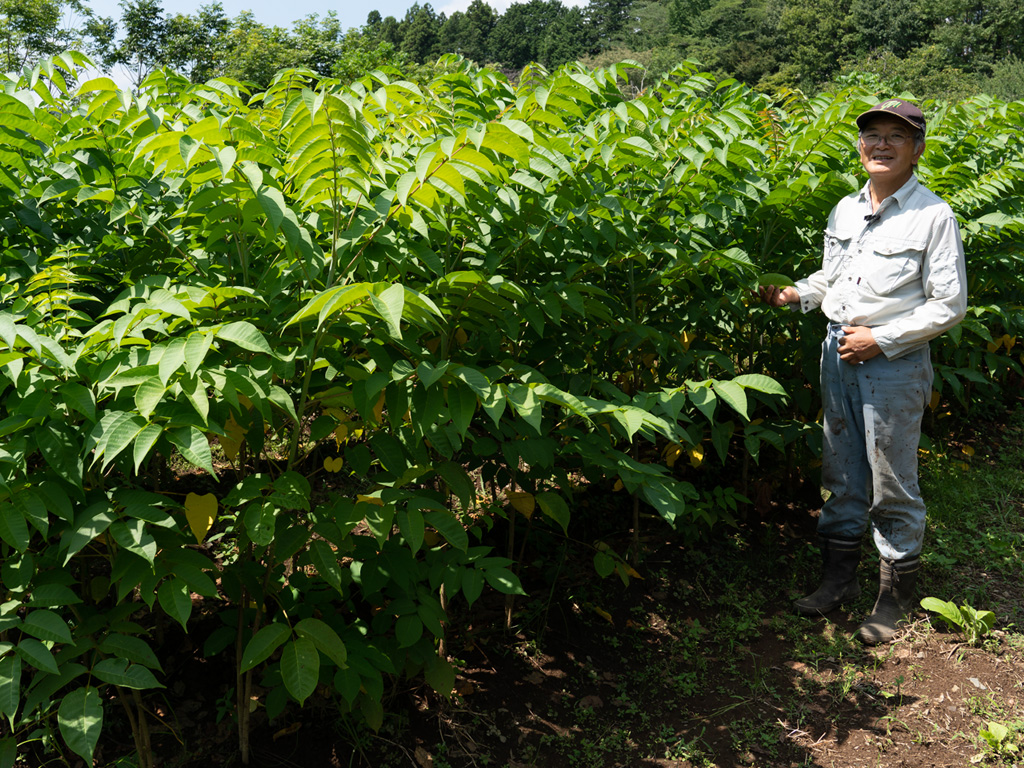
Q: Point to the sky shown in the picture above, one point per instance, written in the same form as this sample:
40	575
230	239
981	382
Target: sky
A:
281	13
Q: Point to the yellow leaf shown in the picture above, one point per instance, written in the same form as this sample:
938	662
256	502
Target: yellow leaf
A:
288	730
375	500
340	433
333	464
378	409
649	360
232	441
992	346
603	614
935	400
522	502
200	511
1009	341
686	339
968	450
461	337
672	453
618	485
696	456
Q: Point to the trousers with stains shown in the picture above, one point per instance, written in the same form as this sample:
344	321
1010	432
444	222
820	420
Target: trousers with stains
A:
872	426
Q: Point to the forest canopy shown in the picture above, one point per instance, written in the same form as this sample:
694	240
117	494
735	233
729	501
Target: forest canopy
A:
940	49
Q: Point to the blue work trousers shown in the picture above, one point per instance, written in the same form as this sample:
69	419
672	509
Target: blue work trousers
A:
872	426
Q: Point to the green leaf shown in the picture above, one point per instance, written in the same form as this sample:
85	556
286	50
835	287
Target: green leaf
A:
412	527
8	752
144	443
263	644
326	563
120	672
13	528
52	595
174	598
389	305
133	649
324	638
272	202
408	630
10	686
472	584
459	482
47	625
196	346
504	581
440	675
245	335
733	395
38	655
947	611
300	668
80	718
604	564
554	506
761	383
194	447
448	526
171	361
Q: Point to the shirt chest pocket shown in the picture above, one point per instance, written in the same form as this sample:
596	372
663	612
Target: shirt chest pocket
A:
892	263
836	252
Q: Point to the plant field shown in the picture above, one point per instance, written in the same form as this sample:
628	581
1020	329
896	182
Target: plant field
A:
307	367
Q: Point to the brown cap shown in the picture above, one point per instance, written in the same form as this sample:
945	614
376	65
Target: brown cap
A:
904	110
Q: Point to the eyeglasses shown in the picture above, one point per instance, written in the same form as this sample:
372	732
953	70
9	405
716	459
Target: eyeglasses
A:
893	140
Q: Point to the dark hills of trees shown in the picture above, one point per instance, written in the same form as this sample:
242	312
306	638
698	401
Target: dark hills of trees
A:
934	48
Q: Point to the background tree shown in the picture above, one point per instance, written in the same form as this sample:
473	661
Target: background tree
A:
518	34
31	29
138	44
480	21
421	34
320	41
254	52
567	38
194	44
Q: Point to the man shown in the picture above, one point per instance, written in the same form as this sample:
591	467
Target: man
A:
892	279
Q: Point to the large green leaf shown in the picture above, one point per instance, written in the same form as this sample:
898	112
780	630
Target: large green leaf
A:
263	644
47	625
300	668
80	718
324	638
120	672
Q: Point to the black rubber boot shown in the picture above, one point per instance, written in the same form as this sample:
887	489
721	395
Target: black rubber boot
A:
839	559
896	586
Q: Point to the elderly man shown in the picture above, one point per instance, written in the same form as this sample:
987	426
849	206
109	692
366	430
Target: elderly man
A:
892	279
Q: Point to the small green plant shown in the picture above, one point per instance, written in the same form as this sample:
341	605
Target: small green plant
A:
972	623
1000	742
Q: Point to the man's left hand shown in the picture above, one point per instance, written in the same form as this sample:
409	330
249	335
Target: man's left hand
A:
857	345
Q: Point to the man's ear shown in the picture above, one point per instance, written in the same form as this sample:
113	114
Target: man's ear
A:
919	151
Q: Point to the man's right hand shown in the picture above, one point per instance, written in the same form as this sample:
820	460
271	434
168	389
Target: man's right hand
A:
778	297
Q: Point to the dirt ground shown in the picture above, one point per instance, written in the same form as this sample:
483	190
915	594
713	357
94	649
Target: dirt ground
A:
700	662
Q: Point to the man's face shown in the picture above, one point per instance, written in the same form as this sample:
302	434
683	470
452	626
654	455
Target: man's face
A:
882	159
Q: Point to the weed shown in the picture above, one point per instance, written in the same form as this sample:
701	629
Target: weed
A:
999	742
973	624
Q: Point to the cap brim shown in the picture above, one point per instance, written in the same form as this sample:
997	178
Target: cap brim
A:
864	118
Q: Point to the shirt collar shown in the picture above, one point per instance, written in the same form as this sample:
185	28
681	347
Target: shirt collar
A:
901	195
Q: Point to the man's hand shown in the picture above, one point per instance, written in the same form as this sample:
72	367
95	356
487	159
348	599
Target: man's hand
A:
778	297
857	345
